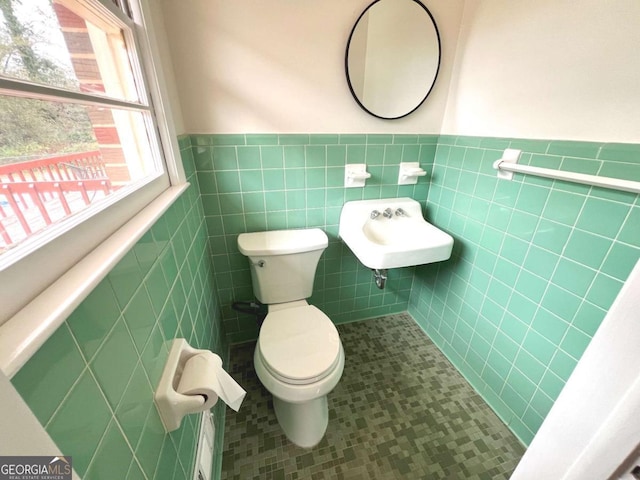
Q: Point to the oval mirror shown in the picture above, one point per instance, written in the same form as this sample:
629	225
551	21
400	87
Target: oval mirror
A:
393	57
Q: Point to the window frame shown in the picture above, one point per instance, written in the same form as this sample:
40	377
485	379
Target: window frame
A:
25	280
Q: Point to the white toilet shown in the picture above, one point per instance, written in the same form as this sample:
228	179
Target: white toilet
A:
299	356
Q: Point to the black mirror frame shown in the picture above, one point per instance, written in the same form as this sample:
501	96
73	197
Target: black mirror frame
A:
435	76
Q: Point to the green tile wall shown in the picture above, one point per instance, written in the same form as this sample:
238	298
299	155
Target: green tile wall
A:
536	265
257	182
91	385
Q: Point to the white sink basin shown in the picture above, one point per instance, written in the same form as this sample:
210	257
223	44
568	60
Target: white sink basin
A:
402	239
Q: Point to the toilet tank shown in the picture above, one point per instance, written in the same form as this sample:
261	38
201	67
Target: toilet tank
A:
283	262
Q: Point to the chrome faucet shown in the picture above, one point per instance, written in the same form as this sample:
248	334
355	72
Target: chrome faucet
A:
388	213
375	214
400	212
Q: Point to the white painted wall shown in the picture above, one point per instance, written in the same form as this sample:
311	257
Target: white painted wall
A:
278	66
548	69
551	69
165	62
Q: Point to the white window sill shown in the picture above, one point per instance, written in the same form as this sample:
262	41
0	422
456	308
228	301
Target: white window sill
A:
24	333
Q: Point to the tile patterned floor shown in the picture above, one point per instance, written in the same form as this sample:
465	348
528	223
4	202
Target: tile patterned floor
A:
400	411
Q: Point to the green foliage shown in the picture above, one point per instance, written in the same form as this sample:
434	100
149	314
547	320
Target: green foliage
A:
31	127
33	151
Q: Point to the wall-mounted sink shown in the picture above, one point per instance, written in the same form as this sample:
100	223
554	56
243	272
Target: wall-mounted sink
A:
392	233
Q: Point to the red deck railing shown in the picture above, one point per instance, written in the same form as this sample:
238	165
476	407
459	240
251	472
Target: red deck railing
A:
36	193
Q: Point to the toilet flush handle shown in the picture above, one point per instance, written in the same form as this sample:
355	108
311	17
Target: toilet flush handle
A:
259	263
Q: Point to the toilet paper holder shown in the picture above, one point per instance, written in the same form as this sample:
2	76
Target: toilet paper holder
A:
173	405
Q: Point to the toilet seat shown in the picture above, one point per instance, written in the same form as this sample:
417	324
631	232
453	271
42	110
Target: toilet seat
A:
299	345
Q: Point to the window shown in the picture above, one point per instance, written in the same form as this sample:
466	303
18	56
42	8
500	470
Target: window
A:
80	152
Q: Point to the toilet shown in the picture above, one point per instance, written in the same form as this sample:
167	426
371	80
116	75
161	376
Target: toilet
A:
298	357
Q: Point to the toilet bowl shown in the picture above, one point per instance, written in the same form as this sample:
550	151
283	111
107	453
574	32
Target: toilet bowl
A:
299	356
299	359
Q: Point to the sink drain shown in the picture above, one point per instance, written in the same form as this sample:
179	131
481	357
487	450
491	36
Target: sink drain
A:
380	277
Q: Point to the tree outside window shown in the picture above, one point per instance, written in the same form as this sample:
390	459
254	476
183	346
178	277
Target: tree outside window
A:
75	123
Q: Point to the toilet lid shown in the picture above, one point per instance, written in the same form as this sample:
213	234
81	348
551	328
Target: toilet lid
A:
299	343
